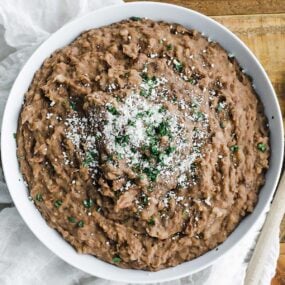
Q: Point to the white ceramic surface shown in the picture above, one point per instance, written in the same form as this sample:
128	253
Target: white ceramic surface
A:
64	36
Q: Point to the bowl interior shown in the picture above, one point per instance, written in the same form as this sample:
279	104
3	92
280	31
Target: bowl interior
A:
155	11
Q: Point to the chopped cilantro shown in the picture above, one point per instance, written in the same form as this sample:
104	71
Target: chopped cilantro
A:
144	76
169	47
111	157
143	93
161	157
150	131
162	109
262	147
88	203
57	203
178	66
154	150
151	173
140	115
90	156
72	105
234	148
71	219
14	135
193	166
148	113
122	139
150	81
199	116
113	110
220	107
145	200
117	259
39	197
133	149
192	80
131	123
134	18
80	224
151	221
170	149
163	129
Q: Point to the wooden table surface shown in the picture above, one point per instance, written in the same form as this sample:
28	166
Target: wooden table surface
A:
261	25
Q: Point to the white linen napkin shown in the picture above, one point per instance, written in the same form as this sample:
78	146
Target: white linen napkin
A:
24	24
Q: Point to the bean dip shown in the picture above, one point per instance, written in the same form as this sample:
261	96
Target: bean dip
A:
143	143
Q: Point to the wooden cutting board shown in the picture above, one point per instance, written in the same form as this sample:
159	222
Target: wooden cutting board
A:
261	25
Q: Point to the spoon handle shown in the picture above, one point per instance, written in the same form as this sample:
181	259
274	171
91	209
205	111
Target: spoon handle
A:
265	239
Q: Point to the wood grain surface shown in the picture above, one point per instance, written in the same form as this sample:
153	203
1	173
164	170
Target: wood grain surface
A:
279	279
261	25
265	36
230	7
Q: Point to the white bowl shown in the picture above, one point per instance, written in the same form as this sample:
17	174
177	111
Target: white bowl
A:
155	11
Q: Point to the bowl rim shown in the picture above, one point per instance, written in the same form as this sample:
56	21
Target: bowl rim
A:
119	274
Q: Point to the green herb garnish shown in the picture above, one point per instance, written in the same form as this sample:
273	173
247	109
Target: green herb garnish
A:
14	135
154	150
140	115
163	129
234	148
90	156
71	219
151	173
131	123
162	109
72	105
146	91
151	221
178	66
88	203
122	139
117	259
199	116
169	47
220	107
113	110
170	149
144	76
57	203
150	131
80	224
262	147
192	80
39	197
145	200
148	113
161	157
143	93
134	18
133	149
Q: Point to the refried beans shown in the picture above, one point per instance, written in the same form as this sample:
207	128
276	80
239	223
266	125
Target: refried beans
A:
143	143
